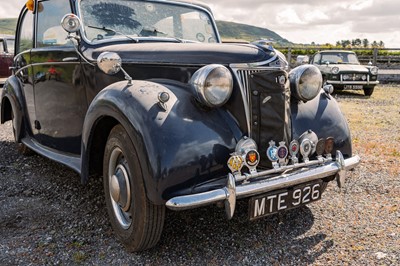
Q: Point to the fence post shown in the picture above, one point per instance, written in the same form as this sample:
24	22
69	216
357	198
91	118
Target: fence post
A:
289	56
375	58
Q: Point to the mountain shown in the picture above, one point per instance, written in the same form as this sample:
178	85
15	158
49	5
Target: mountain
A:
229	31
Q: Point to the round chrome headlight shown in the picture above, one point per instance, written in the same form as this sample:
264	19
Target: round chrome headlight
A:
213	85
305	82
374	70
335	70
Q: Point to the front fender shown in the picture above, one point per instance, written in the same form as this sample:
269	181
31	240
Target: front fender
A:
11	93
323	116
179	147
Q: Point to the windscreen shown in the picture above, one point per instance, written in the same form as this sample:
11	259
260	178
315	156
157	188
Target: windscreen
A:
111	19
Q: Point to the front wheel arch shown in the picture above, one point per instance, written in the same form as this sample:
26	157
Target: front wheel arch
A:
6	112
97	144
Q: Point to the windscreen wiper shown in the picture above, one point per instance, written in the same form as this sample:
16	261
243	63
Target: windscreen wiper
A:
113	31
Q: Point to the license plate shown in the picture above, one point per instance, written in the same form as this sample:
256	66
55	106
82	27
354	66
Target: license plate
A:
353	87
266	204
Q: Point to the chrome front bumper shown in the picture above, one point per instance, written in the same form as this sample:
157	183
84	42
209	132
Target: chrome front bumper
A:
350	82
306	172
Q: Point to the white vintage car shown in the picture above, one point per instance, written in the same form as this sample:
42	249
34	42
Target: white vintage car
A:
343	70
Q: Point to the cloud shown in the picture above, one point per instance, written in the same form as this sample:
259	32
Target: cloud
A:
315	20
11	8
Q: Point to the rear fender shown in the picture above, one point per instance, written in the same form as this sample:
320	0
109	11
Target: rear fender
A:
11	105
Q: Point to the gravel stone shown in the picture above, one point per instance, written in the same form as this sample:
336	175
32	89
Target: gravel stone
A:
48	217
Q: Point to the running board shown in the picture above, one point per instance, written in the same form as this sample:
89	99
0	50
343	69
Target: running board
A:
73	162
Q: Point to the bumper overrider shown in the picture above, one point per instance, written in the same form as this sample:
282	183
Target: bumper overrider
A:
281	176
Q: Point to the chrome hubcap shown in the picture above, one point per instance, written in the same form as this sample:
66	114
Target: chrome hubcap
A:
119	188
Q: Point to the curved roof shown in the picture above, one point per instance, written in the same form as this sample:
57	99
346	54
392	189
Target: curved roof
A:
194	2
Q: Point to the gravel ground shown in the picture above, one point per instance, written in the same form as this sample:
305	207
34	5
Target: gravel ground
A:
48	217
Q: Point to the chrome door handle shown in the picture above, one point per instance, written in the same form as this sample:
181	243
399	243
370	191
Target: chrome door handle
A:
70	59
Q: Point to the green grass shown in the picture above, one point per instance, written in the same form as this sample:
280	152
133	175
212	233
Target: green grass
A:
8	25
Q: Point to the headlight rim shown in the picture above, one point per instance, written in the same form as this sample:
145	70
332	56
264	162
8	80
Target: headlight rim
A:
335	70
374	70
201	84
295	76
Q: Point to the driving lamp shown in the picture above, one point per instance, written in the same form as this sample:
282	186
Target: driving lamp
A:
70	23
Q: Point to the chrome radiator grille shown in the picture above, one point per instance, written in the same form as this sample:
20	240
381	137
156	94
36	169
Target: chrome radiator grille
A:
243	74
243	77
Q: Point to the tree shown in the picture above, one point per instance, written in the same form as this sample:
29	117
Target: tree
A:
381	44
345	43
365	43
357	42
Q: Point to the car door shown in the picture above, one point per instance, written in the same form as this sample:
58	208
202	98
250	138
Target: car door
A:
60	98
22	66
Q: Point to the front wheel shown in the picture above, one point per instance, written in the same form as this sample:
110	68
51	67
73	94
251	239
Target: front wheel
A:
368	91
136	221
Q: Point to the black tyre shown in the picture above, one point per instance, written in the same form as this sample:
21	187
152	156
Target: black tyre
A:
368	91
136	221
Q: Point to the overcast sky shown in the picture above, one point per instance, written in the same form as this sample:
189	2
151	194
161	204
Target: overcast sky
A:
302	21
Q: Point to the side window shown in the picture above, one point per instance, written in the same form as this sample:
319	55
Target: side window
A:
26	33
1	46
49	30
316	59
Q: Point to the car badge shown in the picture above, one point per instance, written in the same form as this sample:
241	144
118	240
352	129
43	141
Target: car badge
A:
305	149
294	150
272	154
282	153
320	148
251	159
235	163
329	144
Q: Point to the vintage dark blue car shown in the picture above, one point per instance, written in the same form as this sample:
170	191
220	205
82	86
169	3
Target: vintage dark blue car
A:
145	94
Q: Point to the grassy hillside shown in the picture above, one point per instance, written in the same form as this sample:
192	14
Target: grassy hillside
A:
236	31
7	25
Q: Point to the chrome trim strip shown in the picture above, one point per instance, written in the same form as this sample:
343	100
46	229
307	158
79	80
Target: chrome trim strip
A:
45	64
250	189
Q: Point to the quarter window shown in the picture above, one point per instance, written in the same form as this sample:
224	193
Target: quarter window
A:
26	33
49	30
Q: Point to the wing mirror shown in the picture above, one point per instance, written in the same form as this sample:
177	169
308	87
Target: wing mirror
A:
111	63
